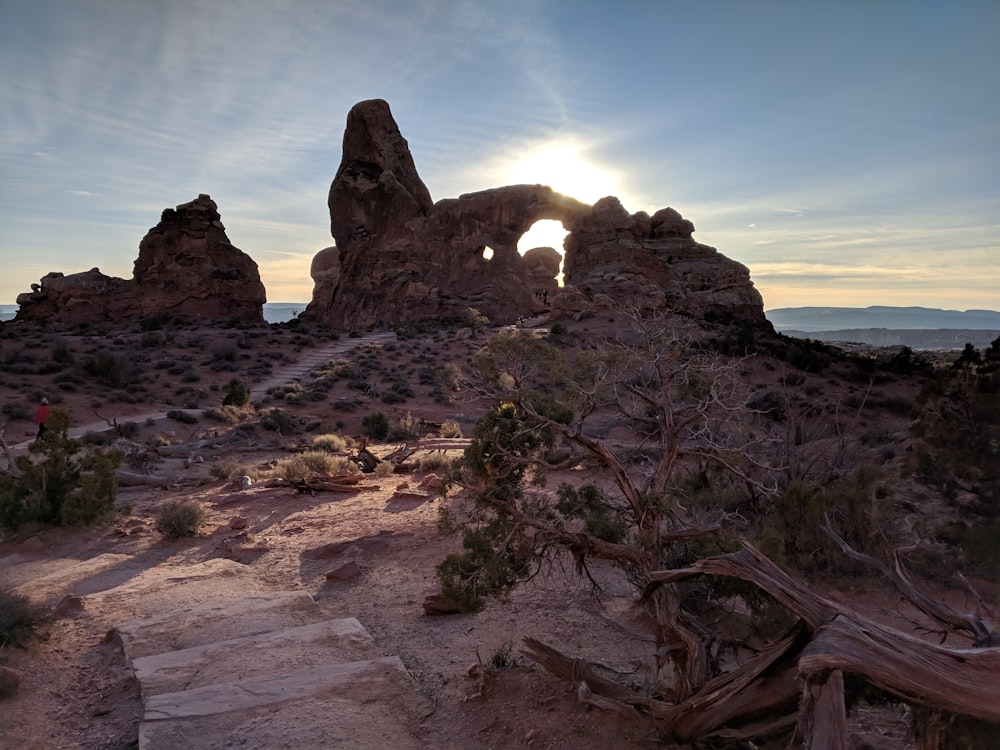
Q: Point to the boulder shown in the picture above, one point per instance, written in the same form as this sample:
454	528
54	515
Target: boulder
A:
186	266
10	681
399	258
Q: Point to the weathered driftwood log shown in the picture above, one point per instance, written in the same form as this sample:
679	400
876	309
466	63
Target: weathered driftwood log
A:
344	482
131	479
798	681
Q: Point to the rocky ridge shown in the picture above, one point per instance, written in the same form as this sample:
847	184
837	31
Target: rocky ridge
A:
186	266
401	258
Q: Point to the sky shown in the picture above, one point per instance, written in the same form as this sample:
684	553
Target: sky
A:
847	152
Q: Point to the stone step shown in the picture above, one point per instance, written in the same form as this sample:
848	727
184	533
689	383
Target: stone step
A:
218	621
365	704
265	654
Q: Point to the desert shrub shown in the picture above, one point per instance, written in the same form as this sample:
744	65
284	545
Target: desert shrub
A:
96	438
376	425
230	468
61	481
179	518
331	442
407	428
20	620
436	461
277	420
61	352
179	415
13	410
225	414
224	359
384	469
300	466
110	369
958	423
856	504
237	393
450	429
979	542
287	391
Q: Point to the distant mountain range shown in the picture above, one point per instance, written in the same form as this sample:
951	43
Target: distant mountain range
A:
836	318
916	327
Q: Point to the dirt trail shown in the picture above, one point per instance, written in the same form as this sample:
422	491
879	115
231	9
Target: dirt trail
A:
289	371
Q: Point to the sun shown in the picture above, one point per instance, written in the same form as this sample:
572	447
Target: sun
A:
566	168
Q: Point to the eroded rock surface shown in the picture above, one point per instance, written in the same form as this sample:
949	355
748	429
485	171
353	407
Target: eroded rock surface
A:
186	266
400	258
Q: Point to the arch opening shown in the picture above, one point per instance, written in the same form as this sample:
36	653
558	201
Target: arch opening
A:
487	252
545	233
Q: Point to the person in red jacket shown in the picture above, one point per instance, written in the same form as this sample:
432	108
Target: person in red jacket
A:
41	416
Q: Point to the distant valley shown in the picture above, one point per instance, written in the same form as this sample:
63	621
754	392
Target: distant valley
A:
916	327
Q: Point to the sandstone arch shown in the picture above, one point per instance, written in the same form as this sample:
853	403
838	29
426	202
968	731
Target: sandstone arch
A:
404	258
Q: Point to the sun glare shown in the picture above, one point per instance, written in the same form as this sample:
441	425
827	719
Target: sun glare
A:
565	169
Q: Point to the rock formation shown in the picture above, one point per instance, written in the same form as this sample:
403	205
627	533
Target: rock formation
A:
401	258
186	266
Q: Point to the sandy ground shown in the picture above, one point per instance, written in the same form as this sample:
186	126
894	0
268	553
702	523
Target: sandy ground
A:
78	690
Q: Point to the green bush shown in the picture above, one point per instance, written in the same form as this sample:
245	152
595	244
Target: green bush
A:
184	417
376	425
20	620
179	518
61	481
277	420
237	393
110	369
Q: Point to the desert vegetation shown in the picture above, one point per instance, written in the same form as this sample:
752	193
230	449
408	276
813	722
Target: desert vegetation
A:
727	476
698	510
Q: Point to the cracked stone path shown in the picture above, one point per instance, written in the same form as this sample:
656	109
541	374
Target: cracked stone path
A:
262	671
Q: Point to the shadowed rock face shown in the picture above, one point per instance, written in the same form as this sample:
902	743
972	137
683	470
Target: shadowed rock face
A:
401	258
186	266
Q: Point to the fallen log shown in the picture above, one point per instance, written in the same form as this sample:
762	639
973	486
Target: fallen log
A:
960	680
130	479
333	483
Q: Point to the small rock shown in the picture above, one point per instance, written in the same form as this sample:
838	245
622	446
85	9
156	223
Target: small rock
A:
240	549
436	604
10	681
402	486
238	522
33	546
346	572
431	482
70	606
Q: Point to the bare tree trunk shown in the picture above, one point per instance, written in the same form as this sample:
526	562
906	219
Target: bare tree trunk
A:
11	464
806	667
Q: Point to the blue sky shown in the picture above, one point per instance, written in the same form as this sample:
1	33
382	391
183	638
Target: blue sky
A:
847	152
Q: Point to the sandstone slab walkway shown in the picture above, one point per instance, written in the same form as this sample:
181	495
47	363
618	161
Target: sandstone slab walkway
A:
268	670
